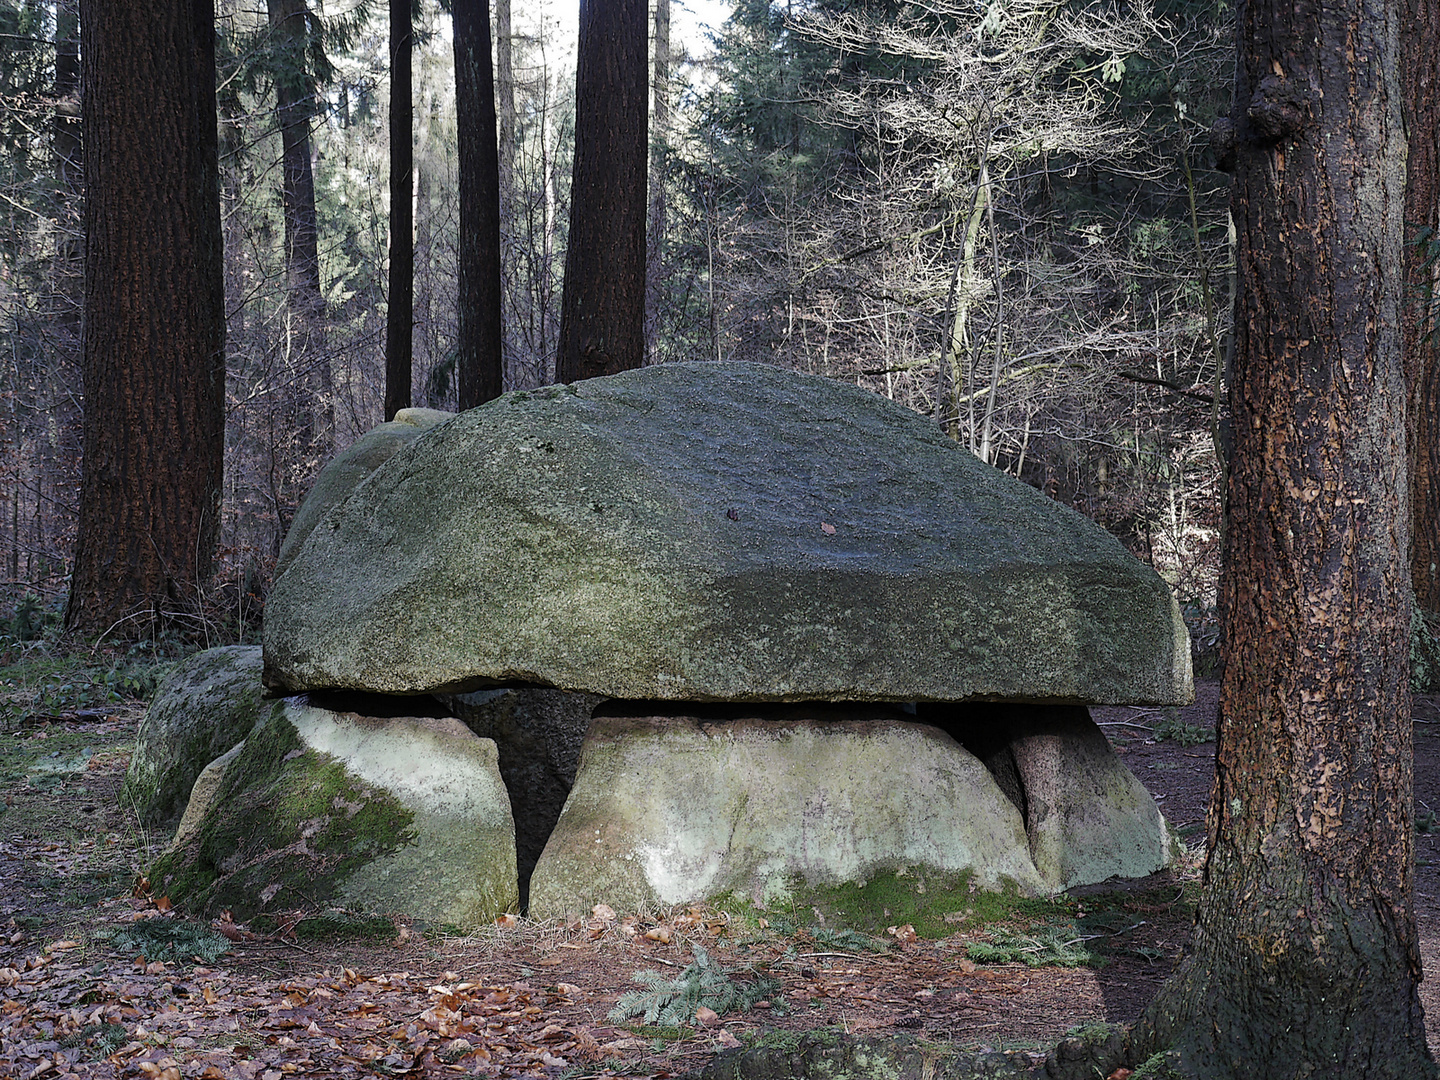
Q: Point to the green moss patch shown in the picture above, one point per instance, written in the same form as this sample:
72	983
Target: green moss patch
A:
332	926
287	827
937	904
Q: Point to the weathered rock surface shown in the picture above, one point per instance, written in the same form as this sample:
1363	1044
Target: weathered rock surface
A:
207	705
348	468
716	532
538	734
383	814
1086	815
202	794
680	809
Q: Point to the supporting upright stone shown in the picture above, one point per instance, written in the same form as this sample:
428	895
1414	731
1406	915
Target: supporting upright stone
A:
678	809
383	814
206	705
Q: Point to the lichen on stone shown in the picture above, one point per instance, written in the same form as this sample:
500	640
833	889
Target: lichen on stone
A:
290	825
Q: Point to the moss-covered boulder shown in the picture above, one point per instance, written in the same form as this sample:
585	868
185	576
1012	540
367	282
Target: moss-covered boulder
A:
349	468
680	809
207	705
717	532
202	794
381	814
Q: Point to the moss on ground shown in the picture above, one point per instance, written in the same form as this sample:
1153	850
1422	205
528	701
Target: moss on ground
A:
1162	1066
936	904
333	926
832	1055
287	827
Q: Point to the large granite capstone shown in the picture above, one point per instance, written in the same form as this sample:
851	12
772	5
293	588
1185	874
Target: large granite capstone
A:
716	532
351	467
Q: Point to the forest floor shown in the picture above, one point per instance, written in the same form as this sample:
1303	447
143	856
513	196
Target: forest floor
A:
98	978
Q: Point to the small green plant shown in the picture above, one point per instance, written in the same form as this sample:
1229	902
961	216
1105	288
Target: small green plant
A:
96	1041
848	940
1050	946
1173	729
334	925
672	1002
171	940
28	622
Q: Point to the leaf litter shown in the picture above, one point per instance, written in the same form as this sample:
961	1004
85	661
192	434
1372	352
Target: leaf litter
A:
96	982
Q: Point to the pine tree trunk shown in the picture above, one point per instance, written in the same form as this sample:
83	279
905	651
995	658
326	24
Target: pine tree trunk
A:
400	310
294	110
505	123
1420	67
1305	959
479	346
602	308
655	235
63	415
154	338
306	396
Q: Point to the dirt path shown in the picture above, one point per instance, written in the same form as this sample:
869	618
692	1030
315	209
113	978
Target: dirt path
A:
96	982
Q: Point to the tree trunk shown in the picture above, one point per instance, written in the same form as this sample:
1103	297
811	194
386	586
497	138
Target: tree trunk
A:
505	103
309	376
153	348
65	422
655	236
294	110
602	309
1420	68
1305	959
479	346
400	311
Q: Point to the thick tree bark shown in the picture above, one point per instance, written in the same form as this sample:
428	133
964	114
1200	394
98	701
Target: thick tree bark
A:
479	346
400	310
154	338
1420	68
602	310
1305	959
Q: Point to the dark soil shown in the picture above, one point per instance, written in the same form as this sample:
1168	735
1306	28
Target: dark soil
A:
364	998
